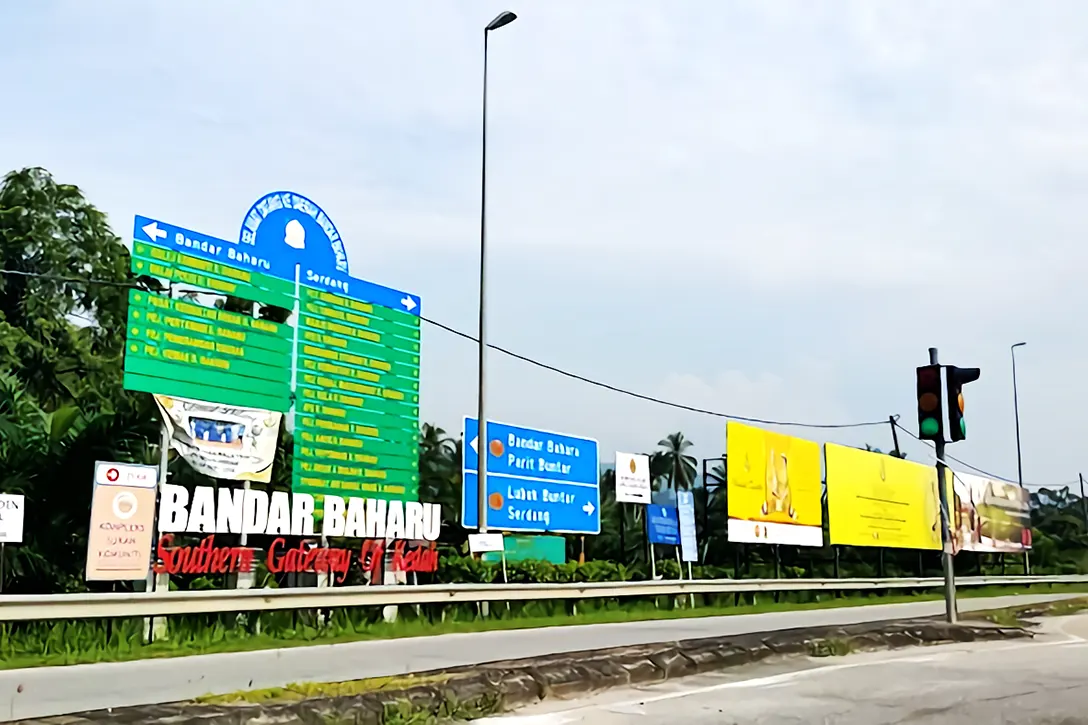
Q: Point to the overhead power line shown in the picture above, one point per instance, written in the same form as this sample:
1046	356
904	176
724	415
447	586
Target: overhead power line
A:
974	468
650	398
545	366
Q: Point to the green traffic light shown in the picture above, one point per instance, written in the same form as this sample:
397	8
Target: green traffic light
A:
963	427
930	427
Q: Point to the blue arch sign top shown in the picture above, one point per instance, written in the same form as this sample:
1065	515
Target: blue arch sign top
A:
286	229
282	231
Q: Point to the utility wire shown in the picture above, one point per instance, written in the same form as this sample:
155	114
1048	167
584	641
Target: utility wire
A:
976	469
72	280
649	398
537	363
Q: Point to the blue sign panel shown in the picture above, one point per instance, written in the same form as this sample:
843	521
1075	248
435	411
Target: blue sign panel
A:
283	238
663	525
536	480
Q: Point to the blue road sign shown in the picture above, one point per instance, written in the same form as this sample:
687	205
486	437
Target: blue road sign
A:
274	256
536	480
663	525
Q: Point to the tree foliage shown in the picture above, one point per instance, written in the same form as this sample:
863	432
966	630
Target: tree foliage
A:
59	336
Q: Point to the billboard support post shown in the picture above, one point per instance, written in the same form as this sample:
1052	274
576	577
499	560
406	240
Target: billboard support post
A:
946	523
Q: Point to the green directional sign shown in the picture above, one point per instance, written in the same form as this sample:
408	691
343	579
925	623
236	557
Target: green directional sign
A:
216	277
175	347
346	367
357	384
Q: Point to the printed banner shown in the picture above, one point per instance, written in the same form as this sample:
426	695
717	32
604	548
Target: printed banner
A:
990	516
773	488
879	500
222	441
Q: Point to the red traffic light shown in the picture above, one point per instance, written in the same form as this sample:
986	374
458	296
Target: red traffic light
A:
930	375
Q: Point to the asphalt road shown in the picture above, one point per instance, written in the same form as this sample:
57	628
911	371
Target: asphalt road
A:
46	691
1038	682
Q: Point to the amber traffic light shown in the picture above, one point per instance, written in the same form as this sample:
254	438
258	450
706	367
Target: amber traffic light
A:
930	427
957	378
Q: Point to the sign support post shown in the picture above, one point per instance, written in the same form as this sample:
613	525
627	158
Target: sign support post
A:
156	628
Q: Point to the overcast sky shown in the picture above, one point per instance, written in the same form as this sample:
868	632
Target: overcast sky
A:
768	209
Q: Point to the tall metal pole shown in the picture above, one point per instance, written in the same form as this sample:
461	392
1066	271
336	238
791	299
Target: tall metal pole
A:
1016	416
946	531
502	19
481	412
1019	461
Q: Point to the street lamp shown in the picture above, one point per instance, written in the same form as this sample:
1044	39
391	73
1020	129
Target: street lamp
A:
504	18
1019	462
1016	414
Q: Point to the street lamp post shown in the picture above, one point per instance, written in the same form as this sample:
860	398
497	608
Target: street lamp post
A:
503	18
1016	415
1019	459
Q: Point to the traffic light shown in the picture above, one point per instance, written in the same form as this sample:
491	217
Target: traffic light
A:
929	403
957	378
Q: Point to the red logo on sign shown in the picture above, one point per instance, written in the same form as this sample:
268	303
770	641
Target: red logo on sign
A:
112	474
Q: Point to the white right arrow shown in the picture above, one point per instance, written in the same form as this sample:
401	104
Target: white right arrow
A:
153	232
589	508
408	302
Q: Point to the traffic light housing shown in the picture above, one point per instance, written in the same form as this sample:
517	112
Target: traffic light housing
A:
930	426
957	378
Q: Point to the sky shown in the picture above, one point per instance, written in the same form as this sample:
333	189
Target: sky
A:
761	209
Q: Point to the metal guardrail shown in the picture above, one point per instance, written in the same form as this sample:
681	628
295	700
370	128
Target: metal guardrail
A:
162	603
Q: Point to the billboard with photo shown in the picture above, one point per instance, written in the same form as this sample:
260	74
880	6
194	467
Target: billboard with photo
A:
989	516
222	441
773	487
879	500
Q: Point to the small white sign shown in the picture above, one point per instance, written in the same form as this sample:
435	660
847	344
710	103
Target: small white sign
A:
484	543
125	474
632	478
12	509
689	546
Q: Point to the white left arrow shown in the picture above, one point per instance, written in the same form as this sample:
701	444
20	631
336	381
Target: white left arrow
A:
589	508
153	232
472	445
408	302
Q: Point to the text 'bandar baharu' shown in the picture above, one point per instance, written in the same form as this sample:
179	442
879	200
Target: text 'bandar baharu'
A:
281	514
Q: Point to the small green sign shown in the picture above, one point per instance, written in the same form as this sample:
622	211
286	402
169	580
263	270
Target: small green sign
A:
552	549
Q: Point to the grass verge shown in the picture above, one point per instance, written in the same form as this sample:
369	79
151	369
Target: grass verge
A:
123	641
1021	616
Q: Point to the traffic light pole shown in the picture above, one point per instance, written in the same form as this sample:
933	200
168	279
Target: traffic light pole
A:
946	522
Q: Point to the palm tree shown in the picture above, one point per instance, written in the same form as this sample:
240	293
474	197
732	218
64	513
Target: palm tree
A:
681	465
440	471
659	469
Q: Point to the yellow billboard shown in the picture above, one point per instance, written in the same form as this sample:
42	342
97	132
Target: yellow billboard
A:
773	487
879	500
